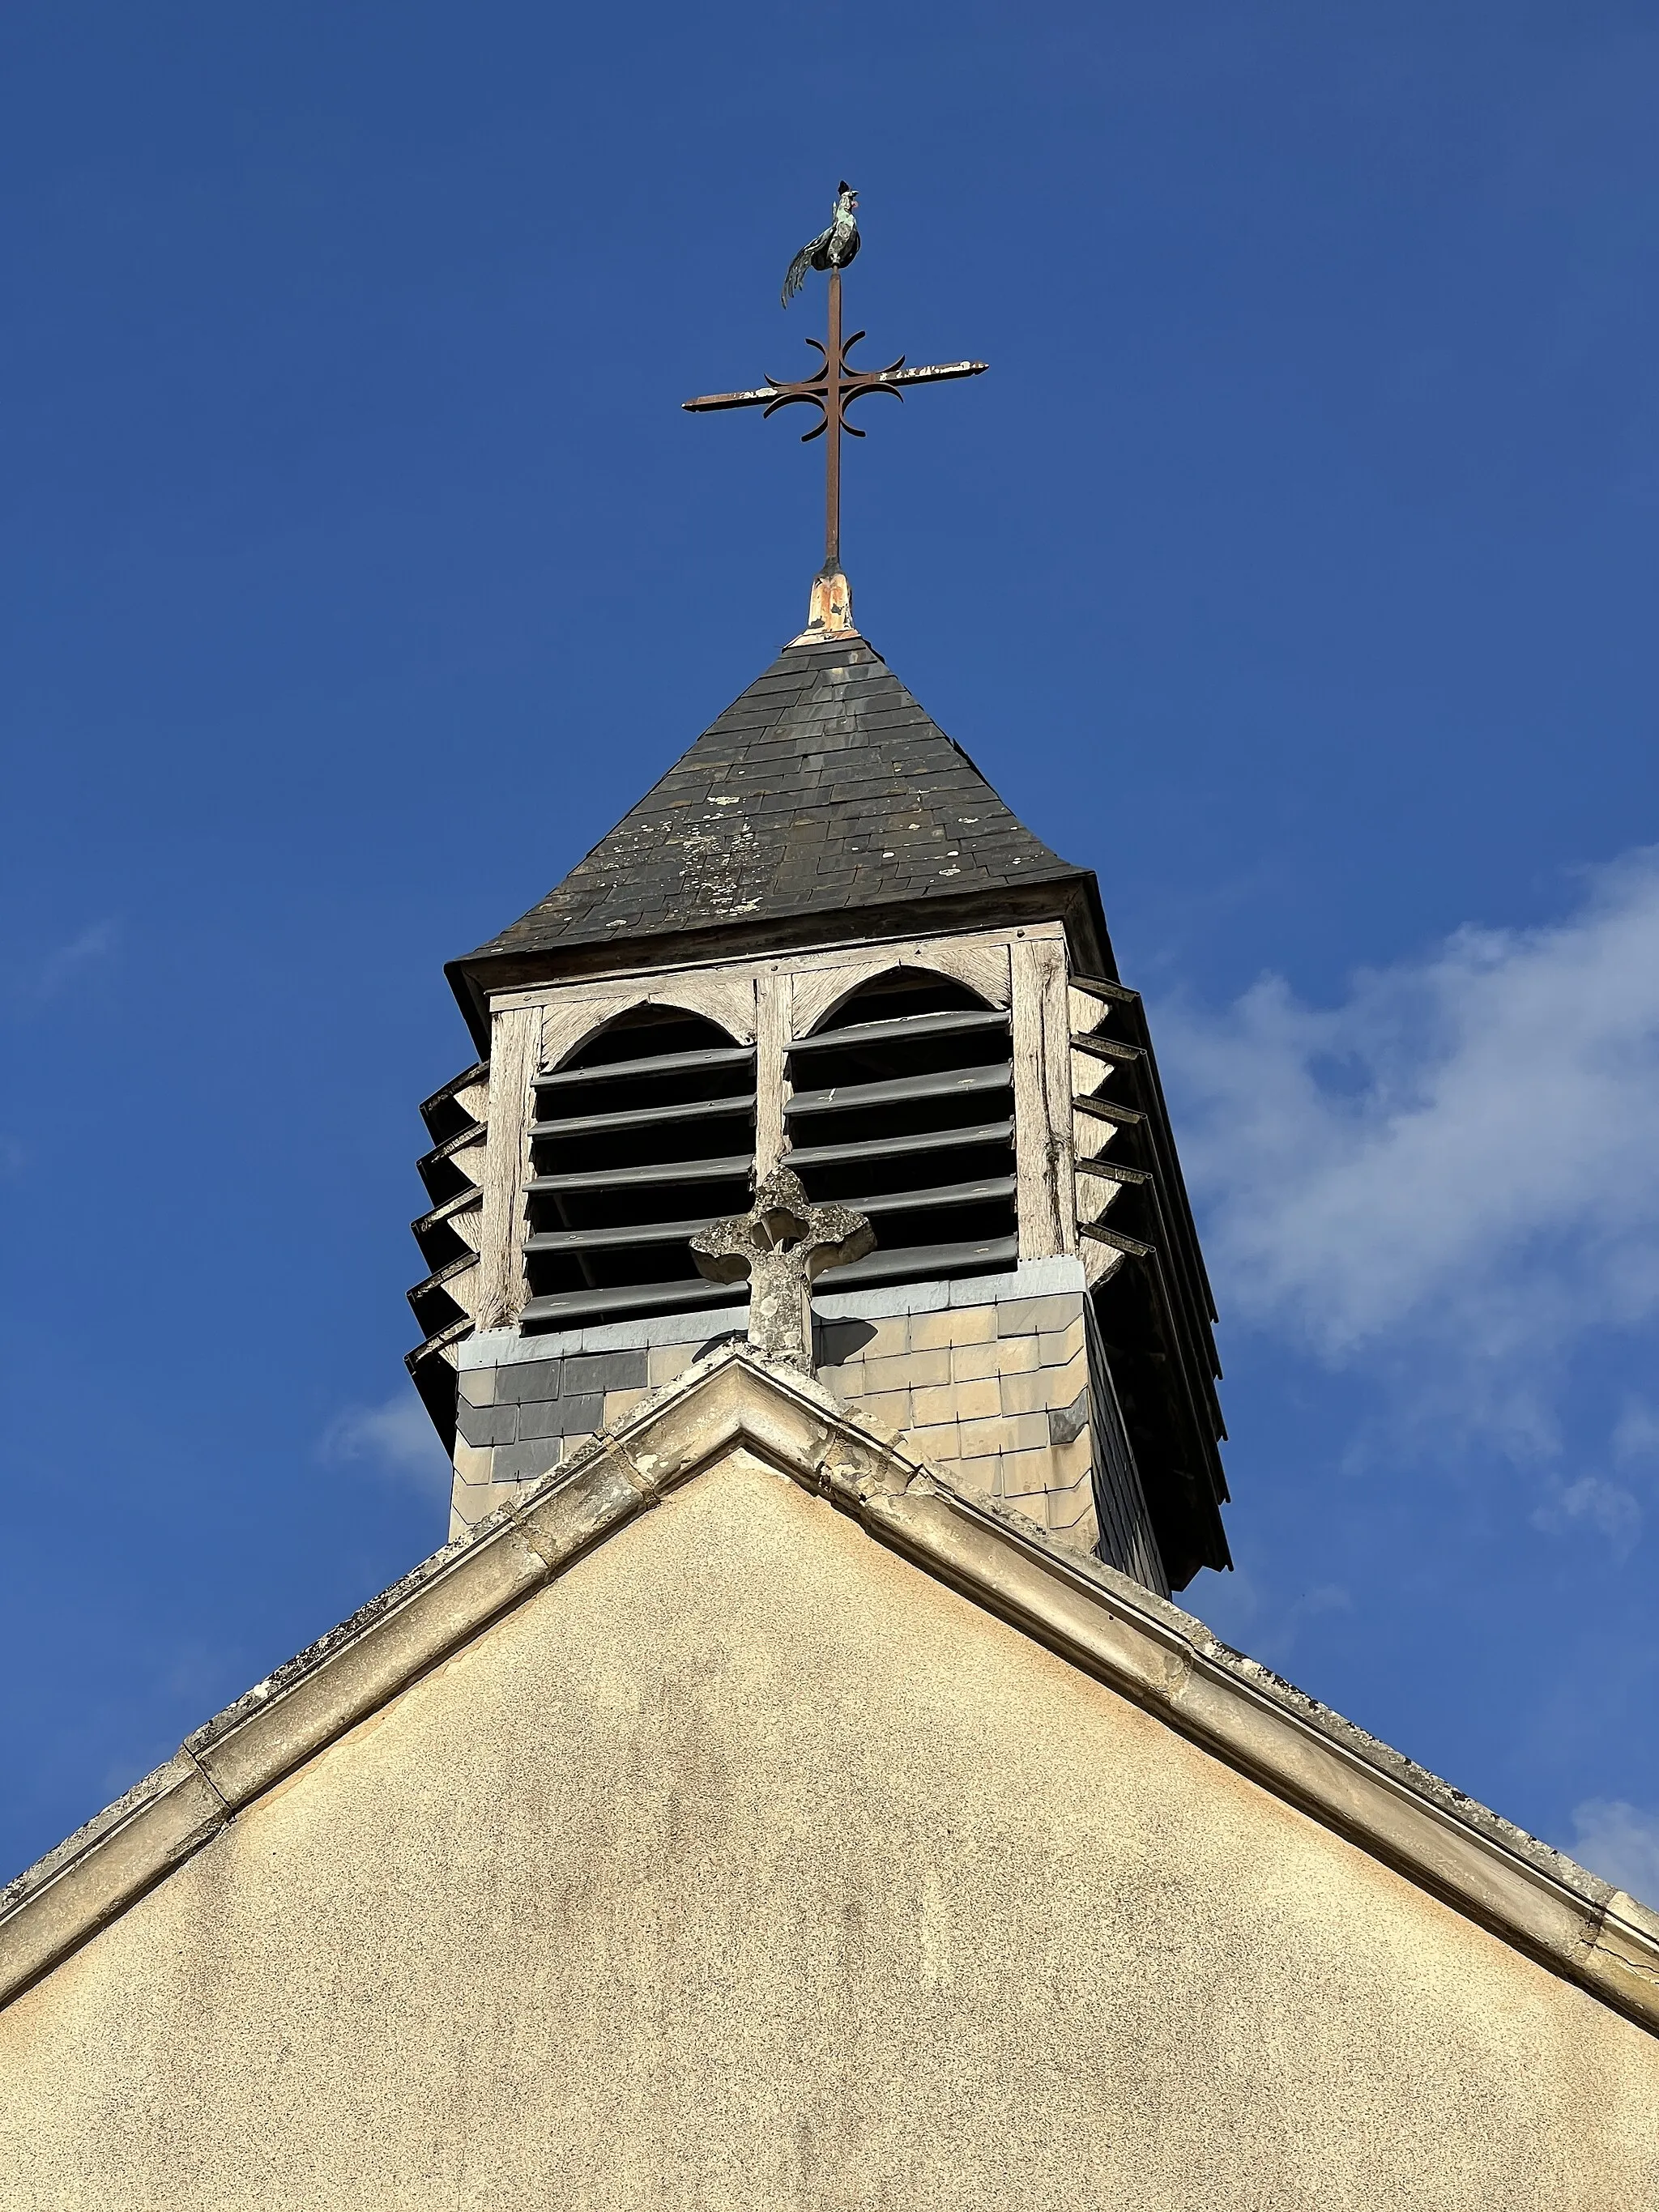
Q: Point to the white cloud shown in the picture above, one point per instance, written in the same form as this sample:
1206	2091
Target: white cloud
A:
1454	1171
396	1439
1621	1844
1273	1621
1592	1501
1637	1435
61	966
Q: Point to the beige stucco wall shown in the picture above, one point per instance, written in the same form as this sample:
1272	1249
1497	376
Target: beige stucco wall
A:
747	1867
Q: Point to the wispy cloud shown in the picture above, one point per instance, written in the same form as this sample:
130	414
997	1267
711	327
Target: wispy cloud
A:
1454	1173
1607	1504
1620	1842
31	981
1635	1437
1273	1620
60	968
1592	1501
395	1438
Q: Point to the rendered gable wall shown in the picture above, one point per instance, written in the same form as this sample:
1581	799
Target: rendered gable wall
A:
745	1865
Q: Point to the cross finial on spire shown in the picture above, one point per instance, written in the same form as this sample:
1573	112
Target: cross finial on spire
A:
832	389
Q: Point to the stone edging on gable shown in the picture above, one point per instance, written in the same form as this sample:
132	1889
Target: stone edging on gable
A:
1142	1647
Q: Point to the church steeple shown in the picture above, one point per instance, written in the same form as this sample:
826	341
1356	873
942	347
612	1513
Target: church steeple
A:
822	940
822	943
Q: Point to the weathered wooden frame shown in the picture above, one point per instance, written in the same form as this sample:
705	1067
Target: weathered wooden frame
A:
769	1003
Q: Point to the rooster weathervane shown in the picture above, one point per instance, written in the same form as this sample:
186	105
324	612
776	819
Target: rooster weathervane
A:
836	383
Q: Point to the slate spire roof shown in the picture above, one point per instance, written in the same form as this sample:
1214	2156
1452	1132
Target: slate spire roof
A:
823	790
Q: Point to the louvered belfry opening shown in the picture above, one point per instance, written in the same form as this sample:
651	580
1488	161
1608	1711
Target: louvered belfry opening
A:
447	1234
449	1185
644	1136
902	1105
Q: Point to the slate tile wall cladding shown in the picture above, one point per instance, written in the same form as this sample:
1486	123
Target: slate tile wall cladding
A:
517	1420
1127	1539
997	1397
523	1416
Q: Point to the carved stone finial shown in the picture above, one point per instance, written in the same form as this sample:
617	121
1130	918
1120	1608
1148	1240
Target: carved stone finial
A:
782	1244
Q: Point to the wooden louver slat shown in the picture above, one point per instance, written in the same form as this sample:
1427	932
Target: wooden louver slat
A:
949	1084
735	1165
644	1117
886	1148
905	1026
662	1064
922	1262
572	1306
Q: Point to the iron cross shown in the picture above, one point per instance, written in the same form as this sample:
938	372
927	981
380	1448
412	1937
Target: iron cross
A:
832	391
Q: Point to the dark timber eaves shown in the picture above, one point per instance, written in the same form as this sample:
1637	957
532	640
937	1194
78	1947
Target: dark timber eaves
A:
823	793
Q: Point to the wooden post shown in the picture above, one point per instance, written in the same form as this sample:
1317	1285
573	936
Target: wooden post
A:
1039	1225
774	1027
1049	954
1042	1100
515	1047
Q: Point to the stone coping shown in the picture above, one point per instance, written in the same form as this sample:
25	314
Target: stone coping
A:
1141	1645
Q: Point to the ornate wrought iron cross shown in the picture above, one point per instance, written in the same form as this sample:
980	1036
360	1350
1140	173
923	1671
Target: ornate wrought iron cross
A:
832	391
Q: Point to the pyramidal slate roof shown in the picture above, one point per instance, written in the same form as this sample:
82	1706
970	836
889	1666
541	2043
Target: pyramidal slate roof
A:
824	789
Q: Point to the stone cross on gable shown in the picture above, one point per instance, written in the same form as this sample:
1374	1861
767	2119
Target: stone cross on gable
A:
782	1244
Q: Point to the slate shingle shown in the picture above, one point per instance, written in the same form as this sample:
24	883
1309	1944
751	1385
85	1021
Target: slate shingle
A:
846	794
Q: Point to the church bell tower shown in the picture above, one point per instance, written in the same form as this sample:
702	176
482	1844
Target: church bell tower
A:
822	942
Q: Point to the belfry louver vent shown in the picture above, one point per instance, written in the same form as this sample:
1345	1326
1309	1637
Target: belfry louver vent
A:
449	1235
902	1106
645	1135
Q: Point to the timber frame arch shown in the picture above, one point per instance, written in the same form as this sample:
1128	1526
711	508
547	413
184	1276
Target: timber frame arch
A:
981	969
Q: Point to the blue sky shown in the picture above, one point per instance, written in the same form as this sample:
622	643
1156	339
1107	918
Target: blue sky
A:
1293	566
